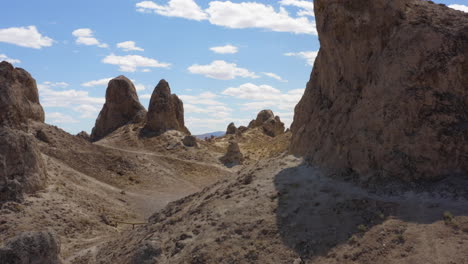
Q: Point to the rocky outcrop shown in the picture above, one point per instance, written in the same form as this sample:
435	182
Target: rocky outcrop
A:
22	169
165	111
122	107
231	129
19	97
388	97
31	248
233	155
271	124
21	165
190	141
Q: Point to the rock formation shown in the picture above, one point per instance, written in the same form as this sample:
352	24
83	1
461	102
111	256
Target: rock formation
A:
22	169
231	129
233	155
122	107
19	97
387	97
271	125
84	135
31	247
190	141
21	165
165	111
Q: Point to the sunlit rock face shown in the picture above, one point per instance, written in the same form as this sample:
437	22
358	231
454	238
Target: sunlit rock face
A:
388	94
122	107
19	97
165	111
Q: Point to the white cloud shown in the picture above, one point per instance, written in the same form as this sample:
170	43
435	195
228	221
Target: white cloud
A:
175	8
308	55
59	118
4	57
27	37
87	111
221	70
146	70
53	84
100	82
105	82
459	7
128	46
85	36
130	63
307	7
139	86
228	49
274	76
252	92
66	98
265	96
206	98
257	15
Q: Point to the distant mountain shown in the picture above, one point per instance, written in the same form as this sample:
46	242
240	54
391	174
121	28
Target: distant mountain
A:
216	134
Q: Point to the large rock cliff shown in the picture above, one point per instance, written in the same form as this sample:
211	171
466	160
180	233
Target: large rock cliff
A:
19	97
122	107
22	168
388	94
165	111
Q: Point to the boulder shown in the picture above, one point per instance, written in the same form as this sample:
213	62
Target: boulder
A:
19	97
387	98
22	168
121	107
31	248
190	141
270	124
231	129
165	112
233	155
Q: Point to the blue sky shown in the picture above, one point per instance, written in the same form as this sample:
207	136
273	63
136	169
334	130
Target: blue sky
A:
226	59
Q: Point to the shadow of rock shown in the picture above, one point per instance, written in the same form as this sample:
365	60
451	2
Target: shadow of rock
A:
316	214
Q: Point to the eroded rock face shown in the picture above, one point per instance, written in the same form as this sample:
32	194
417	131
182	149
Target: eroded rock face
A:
22	168
233	155
122	107
271	124
19	97
31	248
165	112
231	129
388	94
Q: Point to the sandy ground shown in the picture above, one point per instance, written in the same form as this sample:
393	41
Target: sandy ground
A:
282	211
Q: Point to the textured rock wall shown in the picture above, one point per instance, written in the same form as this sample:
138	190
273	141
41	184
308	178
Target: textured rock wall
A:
122	107
165	111
388	95
19	97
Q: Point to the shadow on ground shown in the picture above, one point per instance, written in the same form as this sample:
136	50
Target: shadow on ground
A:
316	214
